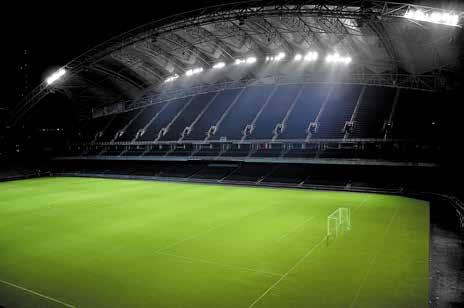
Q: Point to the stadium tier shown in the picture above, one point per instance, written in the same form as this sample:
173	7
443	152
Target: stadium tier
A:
252	113
274	121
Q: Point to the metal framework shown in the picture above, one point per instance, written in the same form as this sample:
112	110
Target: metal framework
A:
306	19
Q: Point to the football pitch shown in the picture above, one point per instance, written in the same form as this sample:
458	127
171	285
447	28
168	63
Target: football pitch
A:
82	242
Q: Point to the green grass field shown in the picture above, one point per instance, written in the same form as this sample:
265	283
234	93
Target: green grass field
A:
80	242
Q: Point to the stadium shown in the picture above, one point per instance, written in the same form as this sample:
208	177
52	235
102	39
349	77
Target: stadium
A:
242	154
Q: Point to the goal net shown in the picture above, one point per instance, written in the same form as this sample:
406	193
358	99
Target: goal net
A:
338	223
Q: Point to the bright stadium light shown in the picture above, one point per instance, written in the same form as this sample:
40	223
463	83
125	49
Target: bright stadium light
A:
239	61
280	56
311	56
298	57
55	76
336	58
444	18
219	65
172	78
250	60
193	71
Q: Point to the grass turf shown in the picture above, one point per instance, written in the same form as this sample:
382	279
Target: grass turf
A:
117	243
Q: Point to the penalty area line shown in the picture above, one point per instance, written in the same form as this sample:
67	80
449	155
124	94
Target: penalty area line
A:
287	272
37	294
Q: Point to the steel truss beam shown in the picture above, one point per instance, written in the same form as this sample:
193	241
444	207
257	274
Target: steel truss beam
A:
234	12
185	45
274	36
205	36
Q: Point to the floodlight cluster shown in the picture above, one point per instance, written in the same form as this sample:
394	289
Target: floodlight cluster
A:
336	58
194	71
443	18
310	56
219	65
278	57
172	78
55	76
249	60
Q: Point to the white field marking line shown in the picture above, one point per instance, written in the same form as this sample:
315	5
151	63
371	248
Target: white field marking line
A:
371	263
361	204
287	272
219	264
37	293
295	229
196	235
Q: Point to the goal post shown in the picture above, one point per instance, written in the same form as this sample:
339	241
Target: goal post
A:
338	222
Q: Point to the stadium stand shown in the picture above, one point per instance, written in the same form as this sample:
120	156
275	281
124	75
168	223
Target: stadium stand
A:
157	124
242	112
139	122
338	110
373	112
213	114
214	171
116	125
274	112
176	129
249	173
305	111
269	121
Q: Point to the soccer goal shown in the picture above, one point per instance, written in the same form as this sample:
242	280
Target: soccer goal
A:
338	222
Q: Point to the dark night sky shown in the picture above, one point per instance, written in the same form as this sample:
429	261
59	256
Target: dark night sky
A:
54	34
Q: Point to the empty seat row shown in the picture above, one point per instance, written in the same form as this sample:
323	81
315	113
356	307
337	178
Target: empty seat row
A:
265	112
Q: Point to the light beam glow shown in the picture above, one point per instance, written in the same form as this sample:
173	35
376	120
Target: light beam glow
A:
311	56
194	71
336	58
55	76
443	18
219	65
250	60
172	78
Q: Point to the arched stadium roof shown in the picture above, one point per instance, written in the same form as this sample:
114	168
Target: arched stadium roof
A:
386	49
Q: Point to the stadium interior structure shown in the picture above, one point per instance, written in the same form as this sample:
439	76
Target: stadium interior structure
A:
356	97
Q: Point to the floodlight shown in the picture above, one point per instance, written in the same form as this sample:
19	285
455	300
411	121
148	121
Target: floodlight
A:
172	78
239	61
219	65
336	58
298	57
197	70
193	71
280	56
55	76
311	56
250	60
443	18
